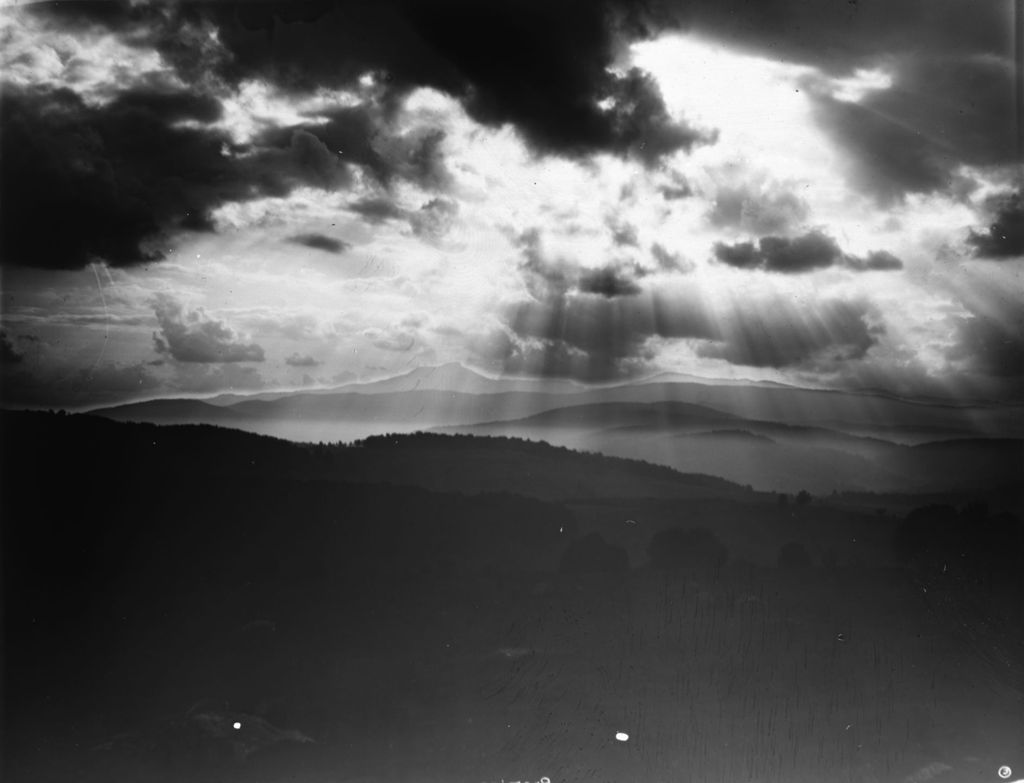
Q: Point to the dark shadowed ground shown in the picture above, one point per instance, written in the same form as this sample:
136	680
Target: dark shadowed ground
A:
194	604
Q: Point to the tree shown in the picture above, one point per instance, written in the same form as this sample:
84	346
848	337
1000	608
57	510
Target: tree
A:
803	497
678	548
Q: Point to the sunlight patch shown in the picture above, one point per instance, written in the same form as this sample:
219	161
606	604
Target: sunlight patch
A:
852	89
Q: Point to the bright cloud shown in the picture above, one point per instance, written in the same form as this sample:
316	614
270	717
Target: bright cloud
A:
344	228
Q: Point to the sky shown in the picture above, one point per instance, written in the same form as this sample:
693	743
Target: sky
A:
204	197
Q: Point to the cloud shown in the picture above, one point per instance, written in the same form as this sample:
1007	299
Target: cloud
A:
82	182
320	242
301	360
434	219
742	255
779	335
876	261
397	340
610	281
369	135
542	67
623	234
290	325
592	324
813	250
546	276
678	188
596	338
376	209
194	337
206	378
670	262
756	211
806	253
810	251
1005	237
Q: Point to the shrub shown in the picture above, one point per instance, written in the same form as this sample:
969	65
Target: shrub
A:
972	540
592	554
794	557
829	559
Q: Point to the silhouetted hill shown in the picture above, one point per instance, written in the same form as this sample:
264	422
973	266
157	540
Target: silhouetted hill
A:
618	415
773	455
162	583
454	377
459	463
811	439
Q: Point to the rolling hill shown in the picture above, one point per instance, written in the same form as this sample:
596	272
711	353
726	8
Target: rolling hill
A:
800	438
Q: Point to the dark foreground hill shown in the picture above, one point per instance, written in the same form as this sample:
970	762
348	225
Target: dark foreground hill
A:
196	604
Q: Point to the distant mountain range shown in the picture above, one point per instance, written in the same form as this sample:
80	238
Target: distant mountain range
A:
771	436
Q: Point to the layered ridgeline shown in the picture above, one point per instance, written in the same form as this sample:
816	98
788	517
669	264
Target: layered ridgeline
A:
192	603
770	436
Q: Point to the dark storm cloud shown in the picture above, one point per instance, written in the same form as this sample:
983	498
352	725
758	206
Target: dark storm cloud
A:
841	36
196	338
541	66
991	346
943	109
320	242
807	253
887	157
301	360
962	106
823	335
1005	237
81	183
172	107
8	353
61	385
